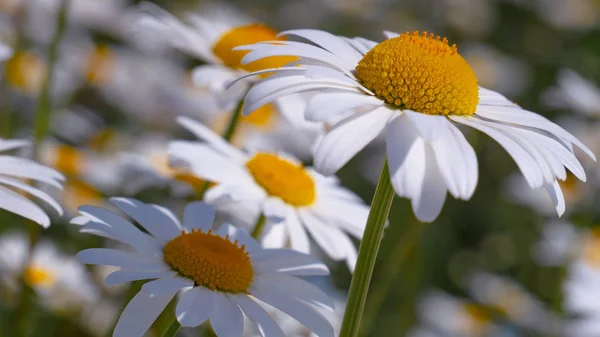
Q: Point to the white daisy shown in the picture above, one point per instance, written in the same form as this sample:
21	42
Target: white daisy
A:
514	301
13	172
220	274
211	39
293	198
416	89
62	283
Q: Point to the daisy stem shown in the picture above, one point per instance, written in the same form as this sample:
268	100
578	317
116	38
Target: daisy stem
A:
43	108
258	227
367	254
233	121
173	329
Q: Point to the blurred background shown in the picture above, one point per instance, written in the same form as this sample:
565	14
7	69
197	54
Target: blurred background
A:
502	264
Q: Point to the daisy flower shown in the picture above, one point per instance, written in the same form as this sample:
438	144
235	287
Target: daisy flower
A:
293	198
211	40
414	88
220	275
13	172
63	284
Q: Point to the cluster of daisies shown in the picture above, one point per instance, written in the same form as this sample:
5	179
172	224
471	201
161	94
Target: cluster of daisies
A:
334	95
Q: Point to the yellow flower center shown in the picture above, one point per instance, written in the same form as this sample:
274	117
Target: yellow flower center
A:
68	160
211	261
39	276
283	179
262	117
245	35
25	71
421	73
99	64
77	192
480	318
591	248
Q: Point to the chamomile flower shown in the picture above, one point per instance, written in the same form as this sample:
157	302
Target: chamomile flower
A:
277	124
294	199
62	283
221	274
13	172
415	88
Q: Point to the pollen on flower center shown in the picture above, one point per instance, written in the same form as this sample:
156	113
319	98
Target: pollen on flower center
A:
283	179
39	276
211	261
422	73
245	35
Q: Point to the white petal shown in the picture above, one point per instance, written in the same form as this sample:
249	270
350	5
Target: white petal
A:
122	229
162	226
327	106
195	306
207	163
429	127
428	205
276	260
330	42
456	162
298	237
164	286
557	197
209	136
323	233
516	115
227	319
18	204
140	313
406	157
304	314
11	144
266	324
27	169
122	276
113	257
275	209
274	235
290	286
198	215
272	88
525	162
347	138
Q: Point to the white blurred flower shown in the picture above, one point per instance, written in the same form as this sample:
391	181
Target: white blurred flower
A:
557	244
453	316
512	300
62	283
571	14
572	91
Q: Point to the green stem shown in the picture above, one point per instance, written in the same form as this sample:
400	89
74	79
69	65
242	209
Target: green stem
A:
367	254
173	329
234	121
43	109
227	135
42	119
401	251
258	227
